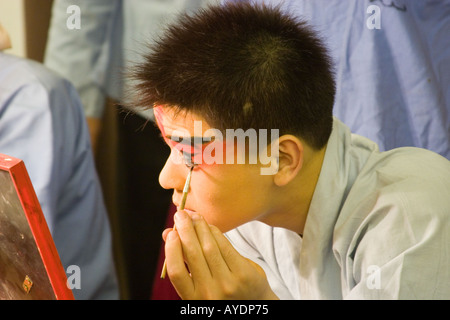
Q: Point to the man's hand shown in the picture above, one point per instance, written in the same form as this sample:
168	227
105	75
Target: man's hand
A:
202	263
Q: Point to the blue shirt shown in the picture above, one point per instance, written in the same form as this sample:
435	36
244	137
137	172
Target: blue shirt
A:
113	35
392	82
42	123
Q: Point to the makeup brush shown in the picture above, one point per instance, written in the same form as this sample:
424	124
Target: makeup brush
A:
183	202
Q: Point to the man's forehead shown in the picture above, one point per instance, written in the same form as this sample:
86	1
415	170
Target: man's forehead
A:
183	132
179	123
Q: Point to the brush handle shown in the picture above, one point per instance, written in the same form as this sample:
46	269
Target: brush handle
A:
183	203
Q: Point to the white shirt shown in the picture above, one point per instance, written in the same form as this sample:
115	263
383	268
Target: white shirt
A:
378	228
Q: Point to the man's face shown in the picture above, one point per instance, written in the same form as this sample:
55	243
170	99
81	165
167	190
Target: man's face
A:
226	195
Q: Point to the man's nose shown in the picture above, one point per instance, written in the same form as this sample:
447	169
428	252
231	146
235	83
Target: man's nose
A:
173	175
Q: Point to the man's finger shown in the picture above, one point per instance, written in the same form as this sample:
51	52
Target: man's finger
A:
210	248
230	255
192	250
165	233
176	269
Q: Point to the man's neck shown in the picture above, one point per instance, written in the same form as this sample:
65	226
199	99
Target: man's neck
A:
296	198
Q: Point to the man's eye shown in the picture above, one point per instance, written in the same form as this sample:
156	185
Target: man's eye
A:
188	159
176	138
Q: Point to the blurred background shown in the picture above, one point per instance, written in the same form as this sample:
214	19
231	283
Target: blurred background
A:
136	231
27	22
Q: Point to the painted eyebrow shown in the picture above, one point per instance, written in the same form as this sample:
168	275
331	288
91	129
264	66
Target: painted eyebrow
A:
190	141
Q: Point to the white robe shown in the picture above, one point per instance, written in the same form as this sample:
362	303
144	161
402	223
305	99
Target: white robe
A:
378	228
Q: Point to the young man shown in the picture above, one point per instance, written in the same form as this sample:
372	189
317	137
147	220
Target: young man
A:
335	219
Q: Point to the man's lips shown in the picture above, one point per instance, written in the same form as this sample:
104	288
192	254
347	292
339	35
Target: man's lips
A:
187	210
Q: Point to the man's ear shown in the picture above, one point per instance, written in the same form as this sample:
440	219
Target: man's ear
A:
291	154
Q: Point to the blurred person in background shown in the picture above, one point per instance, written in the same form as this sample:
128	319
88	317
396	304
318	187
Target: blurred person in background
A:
111	37
42	123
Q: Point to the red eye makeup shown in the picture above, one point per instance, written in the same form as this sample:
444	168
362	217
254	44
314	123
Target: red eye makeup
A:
190	148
